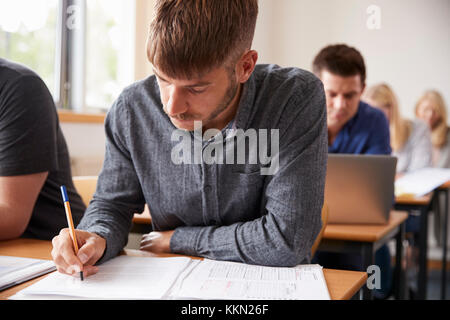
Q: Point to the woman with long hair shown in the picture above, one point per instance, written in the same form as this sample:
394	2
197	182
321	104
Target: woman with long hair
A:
411	144
431	109
410	140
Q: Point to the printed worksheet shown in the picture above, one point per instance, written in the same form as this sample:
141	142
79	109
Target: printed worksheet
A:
128	277
231	280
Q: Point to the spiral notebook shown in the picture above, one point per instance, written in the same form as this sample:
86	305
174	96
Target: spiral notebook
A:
128	277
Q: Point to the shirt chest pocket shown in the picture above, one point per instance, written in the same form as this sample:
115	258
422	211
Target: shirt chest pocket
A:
240	196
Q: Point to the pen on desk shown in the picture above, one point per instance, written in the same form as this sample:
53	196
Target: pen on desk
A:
70	223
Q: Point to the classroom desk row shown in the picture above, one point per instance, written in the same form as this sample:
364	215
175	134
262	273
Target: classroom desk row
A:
342	284
361	239
365	240
424	205
444	189
339	238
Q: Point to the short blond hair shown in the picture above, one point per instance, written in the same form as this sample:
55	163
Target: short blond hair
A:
400	128
191	37
438	133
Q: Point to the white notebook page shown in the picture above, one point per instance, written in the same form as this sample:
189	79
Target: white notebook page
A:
123	277
421	182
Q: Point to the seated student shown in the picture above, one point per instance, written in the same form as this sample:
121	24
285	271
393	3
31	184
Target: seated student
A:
224	209
353	127
34	160
431	109
411	144
410	140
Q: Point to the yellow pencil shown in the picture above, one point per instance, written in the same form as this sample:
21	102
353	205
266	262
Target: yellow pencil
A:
70	223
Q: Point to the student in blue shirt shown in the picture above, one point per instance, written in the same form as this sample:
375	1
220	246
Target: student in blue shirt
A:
353	127
367	132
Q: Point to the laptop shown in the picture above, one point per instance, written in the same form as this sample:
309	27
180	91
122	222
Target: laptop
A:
359	189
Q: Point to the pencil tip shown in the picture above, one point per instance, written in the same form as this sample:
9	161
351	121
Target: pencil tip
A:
81	276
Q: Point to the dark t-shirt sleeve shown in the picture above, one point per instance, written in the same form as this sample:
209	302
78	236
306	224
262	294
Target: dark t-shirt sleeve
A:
28	130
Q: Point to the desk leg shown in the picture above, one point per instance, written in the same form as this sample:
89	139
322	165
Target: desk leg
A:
444	250
423	252
368	256
399	284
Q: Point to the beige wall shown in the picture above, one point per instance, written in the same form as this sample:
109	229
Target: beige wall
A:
144	13
86	144
411	50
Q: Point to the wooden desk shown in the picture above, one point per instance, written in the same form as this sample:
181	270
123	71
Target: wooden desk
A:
342	285
142	222
414	201
422	205
365	240
143	218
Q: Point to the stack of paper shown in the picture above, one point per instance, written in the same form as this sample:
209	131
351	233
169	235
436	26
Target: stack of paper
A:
127	277
421	182
15	270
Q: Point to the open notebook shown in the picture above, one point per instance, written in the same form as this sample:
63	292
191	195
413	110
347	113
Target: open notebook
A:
420	182
127	277
15	270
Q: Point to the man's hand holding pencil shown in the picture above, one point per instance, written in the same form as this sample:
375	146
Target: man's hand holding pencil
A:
91	248
76	251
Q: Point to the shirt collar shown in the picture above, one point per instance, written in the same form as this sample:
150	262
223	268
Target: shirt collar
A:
344	132
350	123
245	104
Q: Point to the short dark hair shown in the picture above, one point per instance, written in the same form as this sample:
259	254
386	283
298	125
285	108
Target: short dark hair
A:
191	37
341	60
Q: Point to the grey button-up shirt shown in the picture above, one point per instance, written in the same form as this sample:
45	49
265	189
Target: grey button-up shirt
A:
224	211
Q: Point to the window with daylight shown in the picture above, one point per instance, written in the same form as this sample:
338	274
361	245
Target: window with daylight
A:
28	31
109	50
83	50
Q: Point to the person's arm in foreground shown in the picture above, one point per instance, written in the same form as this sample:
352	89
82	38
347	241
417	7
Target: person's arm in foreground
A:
18	195
27	150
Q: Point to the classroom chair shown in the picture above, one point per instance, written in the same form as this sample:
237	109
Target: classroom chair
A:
324	224
85	186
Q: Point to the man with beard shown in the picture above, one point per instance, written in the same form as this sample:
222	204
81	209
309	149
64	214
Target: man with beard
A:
205	71
354	127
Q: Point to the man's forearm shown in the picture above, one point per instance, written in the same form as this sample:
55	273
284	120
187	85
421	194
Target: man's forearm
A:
109	222
269	240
